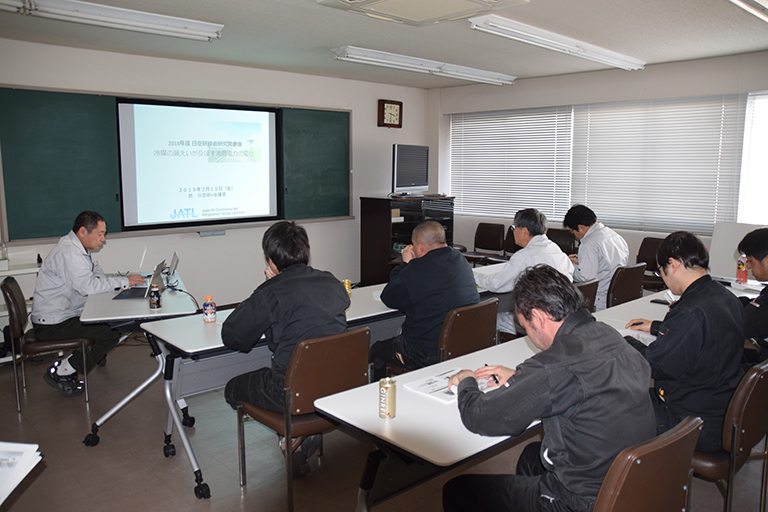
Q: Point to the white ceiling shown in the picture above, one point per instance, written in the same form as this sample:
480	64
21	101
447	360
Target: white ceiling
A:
297	35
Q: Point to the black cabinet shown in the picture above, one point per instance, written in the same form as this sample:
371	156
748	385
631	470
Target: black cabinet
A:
386	225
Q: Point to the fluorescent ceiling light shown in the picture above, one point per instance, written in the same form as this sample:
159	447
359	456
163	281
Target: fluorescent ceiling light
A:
757	7
432	67
505	27
115	17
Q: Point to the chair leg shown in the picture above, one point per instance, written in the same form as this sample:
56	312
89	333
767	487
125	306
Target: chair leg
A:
731	467
85	374
688	490
288	447
764	486
15	374
241	444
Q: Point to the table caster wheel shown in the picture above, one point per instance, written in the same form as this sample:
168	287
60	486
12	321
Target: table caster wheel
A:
91	440
202	491
169	450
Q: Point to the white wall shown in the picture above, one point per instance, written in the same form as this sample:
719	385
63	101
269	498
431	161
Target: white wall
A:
228	267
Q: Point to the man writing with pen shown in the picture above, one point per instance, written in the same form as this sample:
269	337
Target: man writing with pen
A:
588	387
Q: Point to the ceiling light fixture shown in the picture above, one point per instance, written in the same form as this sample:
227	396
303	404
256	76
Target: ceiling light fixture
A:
432	67
115	17
757	7
505	27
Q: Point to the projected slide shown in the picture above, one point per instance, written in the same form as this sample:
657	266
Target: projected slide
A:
184	164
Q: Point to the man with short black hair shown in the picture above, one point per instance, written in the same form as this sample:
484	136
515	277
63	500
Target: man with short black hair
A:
601	251
530	234
755	247
68	275
586	385
698	349
432	280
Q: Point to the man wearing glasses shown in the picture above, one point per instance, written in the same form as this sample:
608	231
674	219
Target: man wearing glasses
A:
68	275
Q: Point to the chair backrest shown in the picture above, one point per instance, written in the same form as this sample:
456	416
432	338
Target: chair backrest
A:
589	290
747	410
489	236
510	246
468	329
563	238
647	253
626	284
323	366
652	476
17	307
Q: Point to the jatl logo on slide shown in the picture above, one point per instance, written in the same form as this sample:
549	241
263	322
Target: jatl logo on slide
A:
183	213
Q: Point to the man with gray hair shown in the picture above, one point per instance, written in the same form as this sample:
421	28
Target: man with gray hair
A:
529	233
432	280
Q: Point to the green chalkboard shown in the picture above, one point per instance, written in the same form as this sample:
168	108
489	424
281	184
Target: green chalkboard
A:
59	155
315	163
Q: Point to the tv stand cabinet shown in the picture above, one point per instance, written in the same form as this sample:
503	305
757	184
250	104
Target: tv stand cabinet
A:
386	225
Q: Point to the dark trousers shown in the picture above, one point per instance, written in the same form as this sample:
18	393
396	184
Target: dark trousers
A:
105	339
532	489
260	388
711	437
397	352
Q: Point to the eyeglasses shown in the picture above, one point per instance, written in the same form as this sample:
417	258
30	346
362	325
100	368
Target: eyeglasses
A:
657	273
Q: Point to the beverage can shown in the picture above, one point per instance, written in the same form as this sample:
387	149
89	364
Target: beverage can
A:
387	398
209	310
154	297
348	285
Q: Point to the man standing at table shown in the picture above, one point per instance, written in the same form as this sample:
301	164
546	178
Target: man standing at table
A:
589	389
294	304
699	345
68	275
432	280
755	247
601	251
529	233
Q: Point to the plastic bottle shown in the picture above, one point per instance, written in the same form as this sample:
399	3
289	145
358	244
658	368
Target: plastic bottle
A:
5	251
209	309
741	270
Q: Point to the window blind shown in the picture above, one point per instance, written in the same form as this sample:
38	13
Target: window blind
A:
504	161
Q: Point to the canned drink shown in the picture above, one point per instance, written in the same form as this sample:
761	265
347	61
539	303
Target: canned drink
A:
348	286
154	297
387	398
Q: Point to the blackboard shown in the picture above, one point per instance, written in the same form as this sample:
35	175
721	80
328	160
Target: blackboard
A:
315	150
60	156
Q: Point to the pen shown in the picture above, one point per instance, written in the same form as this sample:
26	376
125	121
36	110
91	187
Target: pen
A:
636	323
494	377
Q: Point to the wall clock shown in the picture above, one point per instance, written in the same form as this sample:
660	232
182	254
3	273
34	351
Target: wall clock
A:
391	113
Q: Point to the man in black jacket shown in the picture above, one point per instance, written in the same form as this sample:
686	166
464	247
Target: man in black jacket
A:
588	387
697	354
432	280
755	247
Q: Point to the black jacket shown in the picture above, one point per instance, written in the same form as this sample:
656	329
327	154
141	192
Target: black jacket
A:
756	317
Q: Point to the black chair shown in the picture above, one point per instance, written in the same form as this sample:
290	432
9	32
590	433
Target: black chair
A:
654	476
27	344
647	254
589	290
563	238
318	368
488	237
510	247
626	285
745	424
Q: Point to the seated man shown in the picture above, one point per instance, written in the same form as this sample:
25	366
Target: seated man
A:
601	251
529	233
589	389
294	304
755	247
697	353
432	280
68	275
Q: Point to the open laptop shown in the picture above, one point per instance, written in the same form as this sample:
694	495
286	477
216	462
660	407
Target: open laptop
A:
174	264
141	291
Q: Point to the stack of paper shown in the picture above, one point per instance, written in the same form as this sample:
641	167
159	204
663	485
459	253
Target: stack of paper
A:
16	461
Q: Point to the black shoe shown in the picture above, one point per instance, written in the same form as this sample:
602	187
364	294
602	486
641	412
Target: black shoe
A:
301	455
102	361
68	385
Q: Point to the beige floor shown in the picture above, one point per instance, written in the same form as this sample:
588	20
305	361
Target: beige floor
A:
127	470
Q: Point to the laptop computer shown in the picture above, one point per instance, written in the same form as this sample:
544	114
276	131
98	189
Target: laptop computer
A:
141	291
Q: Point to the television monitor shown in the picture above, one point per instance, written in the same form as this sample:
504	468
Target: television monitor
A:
189	164
410	169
